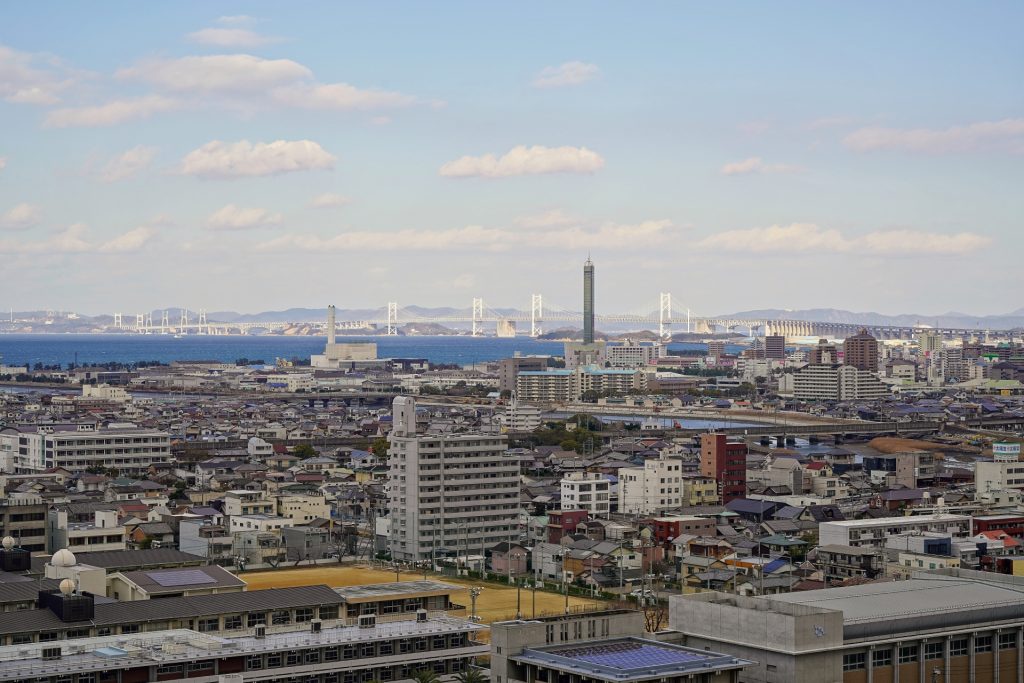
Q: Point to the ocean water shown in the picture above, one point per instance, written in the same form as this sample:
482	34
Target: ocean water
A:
63	349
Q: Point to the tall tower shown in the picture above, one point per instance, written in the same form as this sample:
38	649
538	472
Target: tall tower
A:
330	325
588	302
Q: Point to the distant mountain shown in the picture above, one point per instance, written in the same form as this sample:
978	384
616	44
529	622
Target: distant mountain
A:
951	319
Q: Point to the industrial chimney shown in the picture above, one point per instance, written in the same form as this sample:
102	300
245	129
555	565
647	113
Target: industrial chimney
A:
330	324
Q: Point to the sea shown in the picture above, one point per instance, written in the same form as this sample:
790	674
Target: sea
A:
86	349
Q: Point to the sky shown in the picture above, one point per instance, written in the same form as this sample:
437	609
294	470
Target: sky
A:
262	155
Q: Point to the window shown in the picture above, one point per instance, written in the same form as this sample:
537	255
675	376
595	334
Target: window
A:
908	654
195	667
983	643
130	628
312	656
209	624
387	648
855	661
274	660
958	647
934	650
329	612
281	617
233	623
367	650
170	669
255	619
254	662
303	614
1007	641
881	657
21	639
293	659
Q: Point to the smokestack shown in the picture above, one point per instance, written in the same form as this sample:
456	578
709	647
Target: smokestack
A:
588	302
330	324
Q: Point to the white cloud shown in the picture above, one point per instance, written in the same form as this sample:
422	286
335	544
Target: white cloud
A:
478	238
111	113
555	218
233	217
340	96
231	37
755	165
21	217
1007	134
237	20
329	200
22	81
73	240
128	163
524	160
217	73
218	159
569	73
808	238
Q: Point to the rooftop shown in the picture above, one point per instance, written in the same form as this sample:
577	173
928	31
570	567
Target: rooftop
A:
628	659
395	589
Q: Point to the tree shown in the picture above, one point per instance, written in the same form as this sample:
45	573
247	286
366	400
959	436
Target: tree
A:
472	675
379	447
303	451
425	676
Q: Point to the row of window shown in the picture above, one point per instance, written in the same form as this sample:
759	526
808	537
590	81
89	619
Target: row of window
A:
908	654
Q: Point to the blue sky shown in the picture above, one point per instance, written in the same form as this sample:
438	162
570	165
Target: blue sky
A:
251	156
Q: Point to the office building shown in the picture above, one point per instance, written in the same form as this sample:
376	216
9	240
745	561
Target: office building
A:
600	647
726	463
587	491
861	351
775	346
459	492
653	488
944	626
872	533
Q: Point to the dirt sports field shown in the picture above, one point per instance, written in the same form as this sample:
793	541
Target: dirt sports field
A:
495	603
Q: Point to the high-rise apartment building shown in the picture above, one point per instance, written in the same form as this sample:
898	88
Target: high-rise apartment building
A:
726	462
861	351
459	492
775	346
823	354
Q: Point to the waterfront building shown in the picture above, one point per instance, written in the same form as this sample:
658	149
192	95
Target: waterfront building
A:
343	356
458	492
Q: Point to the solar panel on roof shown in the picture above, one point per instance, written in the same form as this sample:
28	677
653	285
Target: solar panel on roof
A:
630	655
184	577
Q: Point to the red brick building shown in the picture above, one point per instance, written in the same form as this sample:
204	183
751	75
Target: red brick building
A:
562	522
726	463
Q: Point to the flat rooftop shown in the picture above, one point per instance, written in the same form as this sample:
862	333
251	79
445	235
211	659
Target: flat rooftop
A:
181	645
396	589
895	521
628	659
917	597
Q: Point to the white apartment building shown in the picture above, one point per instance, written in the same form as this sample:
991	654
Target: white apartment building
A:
836	383
634	354
652	489
873	533
303	509
102	533
560	386
588	491
261	523
106	392
521	417
997	476
76	447
459	492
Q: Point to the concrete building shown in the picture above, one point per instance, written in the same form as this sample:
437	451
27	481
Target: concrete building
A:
26	523
775	347
652	489
996	476
950	626
834	382
509	368
564	385
823	354
578	355
588	302
726	463
841	562
588	491
339	356
605	647
452	491
520	417
105	392
634	354
861	351
103	532
872	533
75	447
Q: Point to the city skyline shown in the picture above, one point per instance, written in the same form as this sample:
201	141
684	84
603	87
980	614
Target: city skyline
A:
741	158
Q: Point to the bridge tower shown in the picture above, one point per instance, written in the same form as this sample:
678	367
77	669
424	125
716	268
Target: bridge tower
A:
478	316
665	315
118	321
536	315
165	321
184	321
204	327
392	329
140	321
149	321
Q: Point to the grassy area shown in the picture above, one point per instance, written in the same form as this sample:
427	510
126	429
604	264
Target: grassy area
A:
496	602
